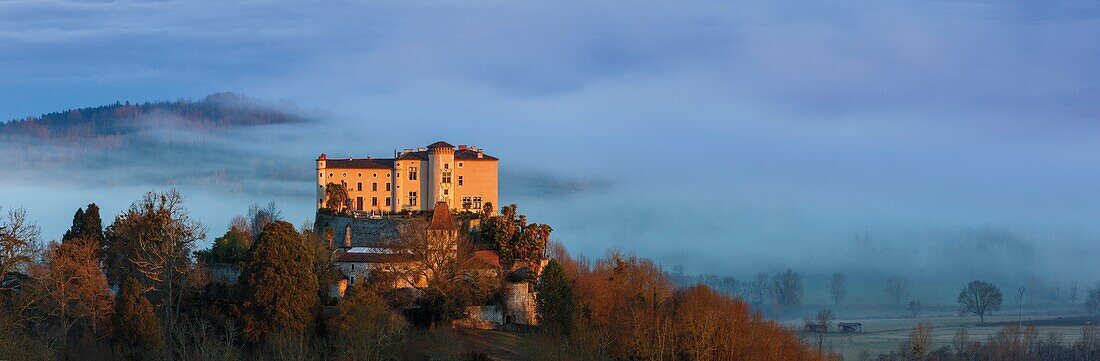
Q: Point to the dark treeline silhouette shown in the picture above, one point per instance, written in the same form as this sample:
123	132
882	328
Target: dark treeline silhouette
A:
213	111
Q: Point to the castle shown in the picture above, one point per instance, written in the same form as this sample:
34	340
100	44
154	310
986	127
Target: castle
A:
465	178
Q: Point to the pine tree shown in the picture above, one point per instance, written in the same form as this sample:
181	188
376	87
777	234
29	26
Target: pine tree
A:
138	335
279	284
555	299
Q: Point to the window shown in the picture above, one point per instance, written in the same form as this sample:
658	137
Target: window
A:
322	174
477	202
358	203
446	191
345	174
344	184
446	177
460	164
387	201
387	186
412	198
412	173
467	202
459	181
374	201
374	186
360	175
387	175
446	166
330	174
359	186
398	174
375	175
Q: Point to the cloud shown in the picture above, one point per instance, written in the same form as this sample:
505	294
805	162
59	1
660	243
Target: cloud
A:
775	122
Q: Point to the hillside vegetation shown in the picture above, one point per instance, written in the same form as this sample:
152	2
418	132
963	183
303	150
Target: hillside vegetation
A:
218	110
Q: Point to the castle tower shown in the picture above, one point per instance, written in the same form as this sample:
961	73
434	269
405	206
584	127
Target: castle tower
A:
322	180
441	156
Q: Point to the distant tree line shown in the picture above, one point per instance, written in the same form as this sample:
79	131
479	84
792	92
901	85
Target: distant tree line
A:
213	111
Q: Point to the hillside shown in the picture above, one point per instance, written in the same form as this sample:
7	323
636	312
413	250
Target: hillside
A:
218	110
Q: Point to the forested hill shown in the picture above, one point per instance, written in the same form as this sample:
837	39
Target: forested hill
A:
214	111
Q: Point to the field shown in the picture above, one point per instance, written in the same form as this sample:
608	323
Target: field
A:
882	335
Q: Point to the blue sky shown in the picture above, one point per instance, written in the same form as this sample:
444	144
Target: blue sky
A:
780	121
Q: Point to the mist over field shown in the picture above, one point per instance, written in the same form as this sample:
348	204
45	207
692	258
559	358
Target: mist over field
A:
943	141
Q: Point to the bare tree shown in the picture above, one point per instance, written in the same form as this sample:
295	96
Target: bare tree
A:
75	288
896	289
18	243
758	288
980	298
1092	299
260	216
824	319
836	287
786	288
152	242
919	342
430	260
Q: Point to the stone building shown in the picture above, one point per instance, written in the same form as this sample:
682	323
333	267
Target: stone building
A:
465	178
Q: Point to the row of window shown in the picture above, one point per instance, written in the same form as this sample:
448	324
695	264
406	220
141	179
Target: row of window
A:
373	186
373	202
375	175
471	202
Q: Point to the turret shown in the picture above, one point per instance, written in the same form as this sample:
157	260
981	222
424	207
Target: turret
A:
441	156
322	180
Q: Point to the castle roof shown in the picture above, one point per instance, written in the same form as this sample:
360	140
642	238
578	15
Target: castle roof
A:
441	218
361	163
440	144
462	154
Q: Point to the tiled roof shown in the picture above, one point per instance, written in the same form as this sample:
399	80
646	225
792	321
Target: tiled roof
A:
466	154
441	218
440	144
361	163
487	259
472	155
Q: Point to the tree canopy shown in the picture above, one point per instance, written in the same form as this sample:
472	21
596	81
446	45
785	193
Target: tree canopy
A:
279	286
980	298
555	299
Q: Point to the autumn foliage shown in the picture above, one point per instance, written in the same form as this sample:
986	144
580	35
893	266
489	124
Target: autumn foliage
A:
626	308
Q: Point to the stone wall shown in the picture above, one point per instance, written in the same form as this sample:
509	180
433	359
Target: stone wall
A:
519	303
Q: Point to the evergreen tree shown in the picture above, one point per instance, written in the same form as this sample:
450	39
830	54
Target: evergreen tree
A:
555	299
87	227
137	334
77	227
279	285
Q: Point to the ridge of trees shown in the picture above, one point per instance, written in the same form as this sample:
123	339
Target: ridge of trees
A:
213	111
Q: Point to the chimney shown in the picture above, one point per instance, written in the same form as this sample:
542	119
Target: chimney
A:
462	147
421	149
480	154
407	150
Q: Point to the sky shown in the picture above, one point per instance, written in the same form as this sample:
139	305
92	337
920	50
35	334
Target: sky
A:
734	137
